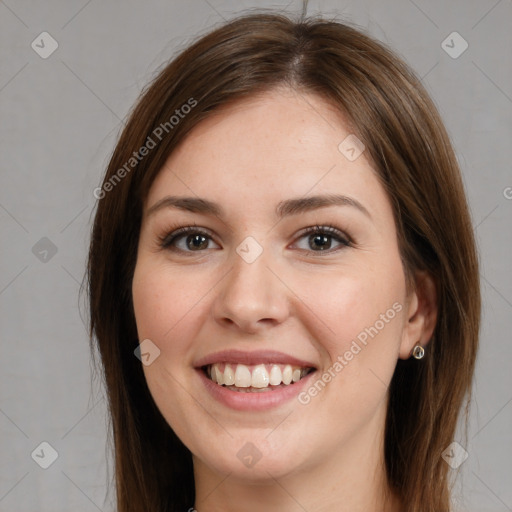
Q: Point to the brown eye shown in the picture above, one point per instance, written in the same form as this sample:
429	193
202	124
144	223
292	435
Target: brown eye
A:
192	239
194	242
187	239
320	238
321	242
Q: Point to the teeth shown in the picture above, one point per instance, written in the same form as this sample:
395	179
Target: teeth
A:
275	375
259	377
229	376
218	375
242	376
287	374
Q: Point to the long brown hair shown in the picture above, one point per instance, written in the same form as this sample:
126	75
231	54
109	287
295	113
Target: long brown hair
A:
404	137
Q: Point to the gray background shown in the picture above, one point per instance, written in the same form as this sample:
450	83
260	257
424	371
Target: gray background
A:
60	117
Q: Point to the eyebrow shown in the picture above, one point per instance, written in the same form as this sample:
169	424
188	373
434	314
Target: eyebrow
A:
284	208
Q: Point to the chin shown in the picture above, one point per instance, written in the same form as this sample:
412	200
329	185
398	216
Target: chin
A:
254	458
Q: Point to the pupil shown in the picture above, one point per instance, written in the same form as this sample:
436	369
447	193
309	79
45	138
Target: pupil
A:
197	243
321	240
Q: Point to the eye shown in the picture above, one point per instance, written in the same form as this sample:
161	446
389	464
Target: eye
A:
186	239
194	239
320	238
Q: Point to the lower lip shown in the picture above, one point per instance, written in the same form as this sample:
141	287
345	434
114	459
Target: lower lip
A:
253	401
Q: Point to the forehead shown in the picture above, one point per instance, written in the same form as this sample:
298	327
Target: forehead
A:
267	148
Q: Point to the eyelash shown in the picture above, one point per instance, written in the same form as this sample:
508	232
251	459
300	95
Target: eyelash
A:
176	232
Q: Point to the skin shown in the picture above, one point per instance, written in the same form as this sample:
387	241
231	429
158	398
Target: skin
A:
326	455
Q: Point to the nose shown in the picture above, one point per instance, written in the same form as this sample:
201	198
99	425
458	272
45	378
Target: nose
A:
251	298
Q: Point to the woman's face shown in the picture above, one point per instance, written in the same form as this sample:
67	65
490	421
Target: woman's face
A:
252	289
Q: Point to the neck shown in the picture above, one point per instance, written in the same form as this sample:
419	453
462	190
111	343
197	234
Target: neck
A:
351	479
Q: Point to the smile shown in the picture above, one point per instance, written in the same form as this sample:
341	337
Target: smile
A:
255	378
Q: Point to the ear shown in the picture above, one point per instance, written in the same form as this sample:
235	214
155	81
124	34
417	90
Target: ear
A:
422	309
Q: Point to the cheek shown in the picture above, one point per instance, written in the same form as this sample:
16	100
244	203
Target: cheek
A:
165	306
361	325
360	305
359	317
163	302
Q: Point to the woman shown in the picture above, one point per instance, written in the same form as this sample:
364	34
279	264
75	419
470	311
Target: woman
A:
283	279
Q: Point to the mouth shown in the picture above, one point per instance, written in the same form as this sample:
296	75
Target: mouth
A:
255	378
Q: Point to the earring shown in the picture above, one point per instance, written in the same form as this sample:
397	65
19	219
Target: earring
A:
418	352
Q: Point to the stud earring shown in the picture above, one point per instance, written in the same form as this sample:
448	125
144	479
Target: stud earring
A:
418	352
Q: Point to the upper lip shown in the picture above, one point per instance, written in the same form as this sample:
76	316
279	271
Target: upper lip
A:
252	358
